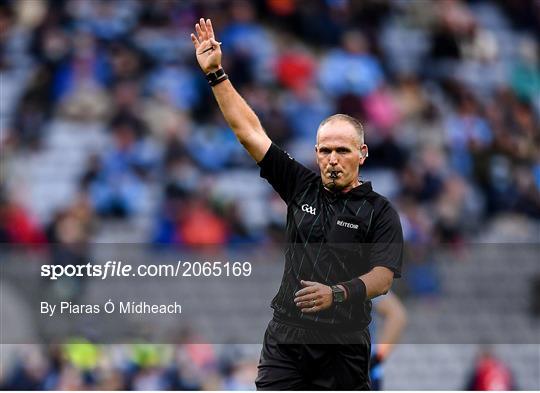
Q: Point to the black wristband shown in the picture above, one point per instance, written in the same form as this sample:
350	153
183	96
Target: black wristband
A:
356	290
214	78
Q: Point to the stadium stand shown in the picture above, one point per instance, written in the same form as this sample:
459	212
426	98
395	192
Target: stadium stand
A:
109	135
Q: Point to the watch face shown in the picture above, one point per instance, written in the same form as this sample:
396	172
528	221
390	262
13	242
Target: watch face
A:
339	295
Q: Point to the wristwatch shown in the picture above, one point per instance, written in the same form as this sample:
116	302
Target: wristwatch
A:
214	78
338	294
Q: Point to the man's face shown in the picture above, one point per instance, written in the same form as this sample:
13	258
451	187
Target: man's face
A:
339	155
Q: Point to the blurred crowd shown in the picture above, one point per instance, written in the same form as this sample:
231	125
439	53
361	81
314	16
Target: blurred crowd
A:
81	365
450	106
449	95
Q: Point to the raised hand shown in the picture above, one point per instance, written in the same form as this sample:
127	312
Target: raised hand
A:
207	49
240	117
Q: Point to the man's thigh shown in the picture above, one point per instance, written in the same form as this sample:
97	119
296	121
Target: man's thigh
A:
279	365
312	367
339	367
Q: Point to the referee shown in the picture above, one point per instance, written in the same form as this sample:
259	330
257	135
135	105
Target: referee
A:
344	245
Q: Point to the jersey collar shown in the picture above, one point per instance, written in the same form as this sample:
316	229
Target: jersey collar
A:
359	191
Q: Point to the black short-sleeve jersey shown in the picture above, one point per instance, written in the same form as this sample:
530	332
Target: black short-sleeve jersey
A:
331	238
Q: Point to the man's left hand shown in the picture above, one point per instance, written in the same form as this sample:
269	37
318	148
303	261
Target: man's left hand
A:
314	297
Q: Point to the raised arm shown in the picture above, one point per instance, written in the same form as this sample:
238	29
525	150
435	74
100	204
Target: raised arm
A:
240	117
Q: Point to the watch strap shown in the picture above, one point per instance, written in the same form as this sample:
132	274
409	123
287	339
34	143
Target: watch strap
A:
216	77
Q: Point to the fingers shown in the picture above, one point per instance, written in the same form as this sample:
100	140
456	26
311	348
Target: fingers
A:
307	298
209	29
308	283
205	32
310	287
204	29
202	25
195	41
303	305
310	307
314	297
200	32
308	304
306	291
310	310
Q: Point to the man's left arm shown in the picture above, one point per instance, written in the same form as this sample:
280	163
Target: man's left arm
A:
378	281
315	297
386	258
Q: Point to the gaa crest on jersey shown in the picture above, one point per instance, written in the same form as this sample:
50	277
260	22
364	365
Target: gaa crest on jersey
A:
309	209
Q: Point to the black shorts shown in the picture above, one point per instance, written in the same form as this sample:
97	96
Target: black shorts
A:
312	366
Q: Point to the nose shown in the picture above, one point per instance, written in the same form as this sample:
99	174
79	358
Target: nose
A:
333	159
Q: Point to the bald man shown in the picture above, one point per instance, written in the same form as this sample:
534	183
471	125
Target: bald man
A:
344	248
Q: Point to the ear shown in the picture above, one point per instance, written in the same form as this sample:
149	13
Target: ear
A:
363	153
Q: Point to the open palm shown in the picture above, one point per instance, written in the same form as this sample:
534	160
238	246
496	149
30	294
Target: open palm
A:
207	48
